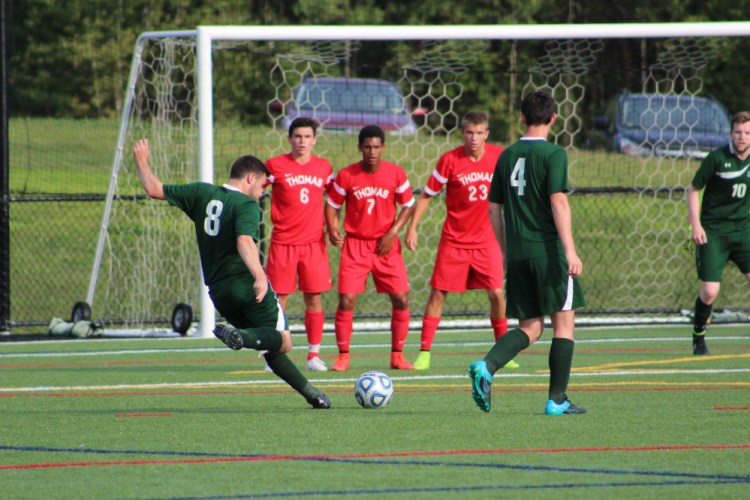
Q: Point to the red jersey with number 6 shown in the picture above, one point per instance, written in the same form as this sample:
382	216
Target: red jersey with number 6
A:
467	224
297	199
371	199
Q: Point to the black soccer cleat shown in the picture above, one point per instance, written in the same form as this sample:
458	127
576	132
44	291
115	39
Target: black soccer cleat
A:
229	336
320	402
699	345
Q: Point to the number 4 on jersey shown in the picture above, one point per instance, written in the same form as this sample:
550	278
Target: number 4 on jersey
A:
517	177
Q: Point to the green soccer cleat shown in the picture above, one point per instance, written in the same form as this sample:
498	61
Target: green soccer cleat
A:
423	361
564	408
512	365
481	385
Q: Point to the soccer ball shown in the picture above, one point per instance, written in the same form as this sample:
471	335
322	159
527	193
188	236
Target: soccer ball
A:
373	390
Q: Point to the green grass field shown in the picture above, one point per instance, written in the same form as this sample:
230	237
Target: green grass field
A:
177	418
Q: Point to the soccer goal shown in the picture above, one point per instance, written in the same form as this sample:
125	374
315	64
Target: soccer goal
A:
204	97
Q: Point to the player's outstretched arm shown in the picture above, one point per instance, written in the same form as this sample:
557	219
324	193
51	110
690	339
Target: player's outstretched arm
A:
698	234
153	186
411	232
563	222
251	257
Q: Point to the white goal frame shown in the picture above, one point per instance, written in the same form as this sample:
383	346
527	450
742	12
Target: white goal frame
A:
207	35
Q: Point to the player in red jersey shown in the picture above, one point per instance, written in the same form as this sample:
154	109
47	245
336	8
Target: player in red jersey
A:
298	247
371	190
468	256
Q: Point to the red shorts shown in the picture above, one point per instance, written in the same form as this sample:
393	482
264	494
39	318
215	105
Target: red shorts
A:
309	262
360	258
459	269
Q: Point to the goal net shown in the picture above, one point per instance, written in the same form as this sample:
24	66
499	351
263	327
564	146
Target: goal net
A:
634	115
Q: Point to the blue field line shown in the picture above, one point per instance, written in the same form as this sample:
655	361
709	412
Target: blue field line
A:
457	489
381	461
130	452
545	468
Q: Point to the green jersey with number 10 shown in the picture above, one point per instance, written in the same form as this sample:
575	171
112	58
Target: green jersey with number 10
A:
527	173
220	214
725	205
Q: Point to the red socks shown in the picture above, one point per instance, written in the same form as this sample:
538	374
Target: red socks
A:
429	327
399	328
499	327
343	328
314	327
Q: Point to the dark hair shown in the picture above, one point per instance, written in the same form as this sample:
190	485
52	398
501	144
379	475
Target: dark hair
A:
302	122
371	131
538	108
473	118
248	164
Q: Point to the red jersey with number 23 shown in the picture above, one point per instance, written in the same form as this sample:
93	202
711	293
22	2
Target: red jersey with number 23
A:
467	182
297	199
371	199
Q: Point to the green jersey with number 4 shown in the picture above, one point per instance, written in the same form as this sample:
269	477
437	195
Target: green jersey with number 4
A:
725	205
527	173
220	214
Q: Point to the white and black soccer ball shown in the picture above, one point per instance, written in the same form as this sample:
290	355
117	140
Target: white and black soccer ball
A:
373	389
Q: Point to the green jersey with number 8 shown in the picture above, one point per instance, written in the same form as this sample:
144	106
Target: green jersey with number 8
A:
725	205
527	173
220	214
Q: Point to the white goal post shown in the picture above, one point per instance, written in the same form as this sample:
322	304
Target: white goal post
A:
207	36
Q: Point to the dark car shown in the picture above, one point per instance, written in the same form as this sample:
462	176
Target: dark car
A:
348	104
666	125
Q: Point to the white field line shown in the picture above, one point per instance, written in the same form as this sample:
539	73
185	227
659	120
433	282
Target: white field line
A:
415	343
275	381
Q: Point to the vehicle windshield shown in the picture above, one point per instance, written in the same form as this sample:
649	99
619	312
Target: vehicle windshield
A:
350	96
671	112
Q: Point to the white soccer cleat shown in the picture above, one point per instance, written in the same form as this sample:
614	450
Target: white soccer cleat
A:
316	365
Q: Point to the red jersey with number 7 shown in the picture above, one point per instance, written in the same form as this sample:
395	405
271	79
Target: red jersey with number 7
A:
297	199
371	199
467	185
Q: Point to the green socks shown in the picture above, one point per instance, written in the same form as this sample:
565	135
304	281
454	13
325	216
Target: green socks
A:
264	338
702	316
505	349
283	367
560	363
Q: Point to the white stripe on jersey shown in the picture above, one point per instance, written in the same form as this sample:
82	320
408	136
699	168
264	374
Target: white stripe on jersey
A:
403	187
568	296
438	177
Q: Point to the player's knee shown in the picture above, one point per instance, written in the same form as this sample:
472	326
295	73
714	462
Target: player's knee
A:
286	342
709	292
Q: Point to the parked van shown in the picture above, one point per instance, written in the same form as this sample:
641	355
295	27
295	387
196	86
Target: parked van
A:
348	104
666	125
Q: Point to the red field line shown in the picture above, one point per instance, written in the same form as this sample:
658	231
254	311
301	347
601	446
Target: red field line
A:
48	465
731	407
144	415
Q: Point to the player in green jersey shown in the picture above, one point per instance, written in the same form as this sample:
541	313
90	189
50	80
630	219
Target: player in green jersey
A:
226	222
529	210
720	222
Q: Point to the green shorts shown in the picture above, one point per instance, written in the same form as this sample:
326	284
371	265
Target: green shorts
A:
539	287
711	258
235	301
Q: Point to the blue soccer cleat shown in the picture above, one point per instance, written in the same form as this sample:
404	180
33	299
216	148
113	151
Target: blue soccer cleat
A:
481	385
564	408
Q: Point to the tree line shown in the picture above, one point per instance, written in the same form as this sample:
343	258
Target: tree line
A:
71	58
